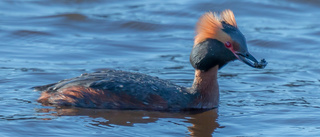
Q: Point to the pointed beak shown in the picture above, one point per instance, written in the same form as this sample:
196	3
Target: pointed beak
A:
250	60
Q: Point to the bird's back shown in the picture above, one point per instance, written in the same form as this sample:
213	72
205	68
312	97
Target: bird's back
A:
116	89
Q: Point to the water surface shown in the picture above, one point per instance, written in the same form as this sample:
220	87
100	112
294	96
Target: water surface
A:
44	41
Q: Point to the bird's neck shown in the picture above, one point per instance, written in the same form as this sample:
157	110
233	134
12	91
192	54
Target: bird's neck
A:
205	86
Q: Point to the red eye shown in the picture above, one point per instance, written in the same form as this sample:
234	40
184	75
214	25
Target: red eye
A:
227	44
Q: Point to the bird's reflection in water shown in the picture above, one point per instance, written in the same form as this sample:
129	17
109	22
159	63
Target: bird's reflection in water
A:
203	122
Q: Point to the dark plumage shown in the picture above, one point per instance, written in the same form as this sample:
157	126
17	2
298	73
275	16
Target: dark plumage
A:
143	91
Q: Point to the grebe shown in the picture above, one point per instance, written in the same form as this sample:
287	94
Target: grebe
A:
217	42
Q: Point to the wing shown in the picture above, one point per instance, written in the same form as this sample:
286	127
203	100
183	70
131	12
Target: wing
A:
116	89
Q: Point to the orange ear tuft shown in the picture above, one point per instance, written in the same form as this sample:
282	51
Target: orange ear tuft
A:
228	17
207	27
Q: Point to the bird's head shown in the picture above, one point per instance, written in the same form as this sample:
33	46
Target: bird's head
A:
219	41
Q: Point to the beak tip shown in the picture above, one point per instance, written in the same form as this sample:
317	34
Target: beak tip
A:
262	64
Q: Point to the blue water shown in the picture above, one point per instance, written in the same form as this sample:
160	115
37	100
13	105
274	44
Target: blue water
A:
45	41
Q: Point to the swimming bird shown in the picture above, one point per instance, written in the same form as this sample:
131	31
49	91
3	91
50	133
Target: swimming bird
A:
217	42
